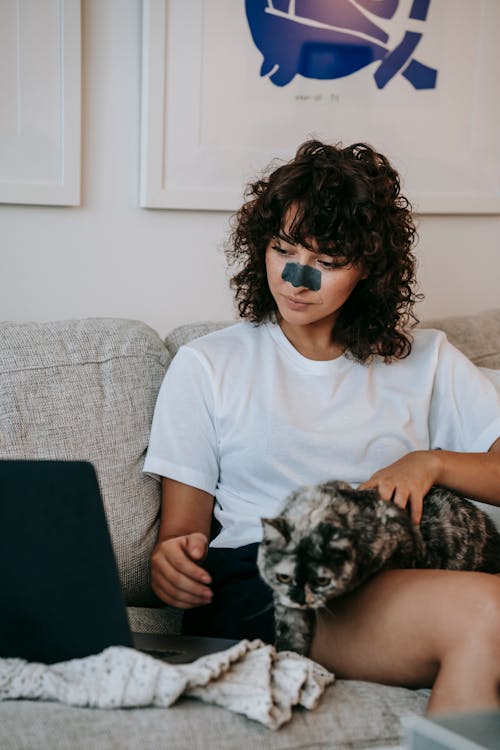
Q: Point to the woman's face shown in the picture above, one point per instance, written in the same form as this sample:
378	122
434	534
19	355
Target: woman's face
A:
308	287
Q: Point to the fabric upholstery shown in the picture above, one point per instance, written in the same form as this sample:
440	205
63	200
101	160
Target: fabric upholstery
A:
155	620
85	390
477	336
351	716
182	334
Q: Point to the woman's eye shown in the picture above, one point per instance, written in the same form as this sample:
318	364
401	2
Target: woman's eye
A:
280	250
283	578
331	264
321	581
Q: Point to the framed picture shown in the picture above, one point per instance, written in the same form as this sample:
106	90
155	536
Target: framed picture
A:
230	86
40	102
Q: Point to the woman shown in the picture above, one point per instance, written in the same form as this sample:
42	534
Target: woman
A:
322	380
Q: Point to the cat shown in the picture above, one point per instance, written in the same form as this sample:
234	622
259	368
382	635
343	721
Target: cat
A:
329	538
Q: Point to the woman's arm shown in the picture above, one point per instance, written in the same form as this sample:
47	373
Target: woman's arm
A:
186	515
476	475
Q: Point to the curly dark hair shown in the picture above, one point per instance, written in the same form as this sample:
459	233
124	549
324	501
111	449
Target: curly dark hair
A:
347	200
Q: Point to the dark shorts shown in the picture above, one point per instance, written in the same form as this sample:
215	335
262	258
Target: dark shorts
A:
242	604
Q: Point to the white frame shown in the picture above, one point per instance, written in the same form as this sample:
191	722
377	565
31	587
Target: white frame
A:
160	134
65	191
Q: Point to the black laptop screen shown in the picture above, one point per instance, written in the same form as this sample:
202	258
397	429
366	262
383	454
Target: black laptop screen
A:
60	596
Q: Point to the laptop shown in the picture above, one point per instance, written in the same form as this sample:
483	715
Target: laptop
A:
60	594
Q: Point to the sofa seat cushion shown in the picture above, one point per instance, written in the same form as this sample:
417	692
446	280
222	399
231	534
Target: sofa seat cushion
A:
351	715
159	620
86	390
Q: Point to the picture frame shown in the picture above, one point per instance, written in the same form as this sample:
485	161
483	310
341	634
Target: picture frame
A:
40	102
210	123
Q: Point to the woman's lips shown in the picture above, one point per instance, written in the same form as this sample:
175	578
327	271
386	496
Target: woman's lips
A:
296	303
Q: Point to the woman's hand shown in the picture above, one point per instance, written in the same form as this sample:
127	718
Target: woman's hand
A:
176	578
407	480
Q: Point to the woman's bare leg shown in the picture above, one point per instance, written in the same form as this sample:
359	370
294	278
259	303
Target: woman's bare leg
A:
419	628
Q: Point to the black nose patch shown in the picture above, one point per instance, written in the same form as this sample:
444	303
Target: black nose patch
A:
299	275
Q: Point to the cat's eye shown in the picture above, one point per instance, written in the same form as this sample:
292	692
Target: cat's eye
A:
283	578
321	581
338	557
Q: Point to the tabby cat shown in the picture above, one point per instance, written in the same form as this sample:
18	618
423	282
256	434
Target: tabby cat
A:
329	538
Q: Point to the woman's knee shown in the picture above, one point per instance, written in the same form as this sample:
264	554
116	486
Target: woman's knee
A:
473	615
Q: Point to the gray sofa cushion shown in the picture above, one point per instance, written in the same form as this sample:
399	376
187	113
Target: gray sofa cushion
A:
189	331
352	715
477	336
158	620
86	390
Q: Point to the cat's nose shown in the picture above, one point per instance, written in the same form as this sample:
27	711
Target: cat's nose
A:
310	597
298	595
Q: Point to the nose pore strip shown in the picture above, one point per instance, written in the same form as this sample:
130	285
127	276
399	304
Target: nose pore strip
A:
299	275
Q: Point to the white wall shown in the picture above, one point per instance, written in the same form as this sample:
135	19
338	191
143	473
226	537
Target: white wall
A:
111	258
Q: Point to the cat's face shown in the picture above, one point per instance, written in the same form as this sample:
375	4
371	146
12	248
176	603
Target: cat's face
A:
309	570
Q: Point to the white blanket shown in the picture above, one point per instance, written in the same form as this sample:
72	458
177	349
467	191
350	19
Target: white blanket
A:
250	678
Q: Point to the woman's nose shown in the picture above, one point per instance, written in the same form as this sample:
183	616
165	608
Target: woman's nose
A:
299	275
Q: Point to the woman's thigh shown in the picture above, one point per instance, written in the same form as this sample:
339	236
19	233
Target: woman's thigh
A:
398	627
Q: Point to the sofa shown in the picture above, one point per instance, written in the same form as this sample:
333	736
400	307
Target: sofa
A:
85	390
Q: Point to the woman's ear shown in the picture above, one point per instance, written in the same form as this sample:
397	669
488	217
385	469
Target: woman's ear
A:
364	273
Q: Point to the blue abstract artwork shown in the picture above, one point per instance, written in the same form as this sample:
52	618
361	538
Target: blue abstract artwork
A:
327	39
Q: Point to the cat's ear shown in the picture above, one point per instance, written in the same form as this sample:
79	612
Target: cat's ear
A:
389	511
332	535
275	529
333	486
369	497
385	511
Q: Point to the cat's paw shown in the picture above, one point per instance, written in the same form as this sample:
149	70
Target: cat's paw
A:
282	644
294	628
297	641
298	648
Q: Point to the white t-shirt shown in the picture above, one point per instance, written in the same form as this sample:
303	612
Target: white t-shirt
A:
244	416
